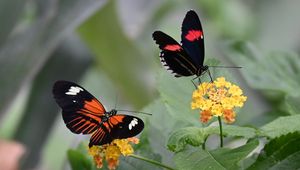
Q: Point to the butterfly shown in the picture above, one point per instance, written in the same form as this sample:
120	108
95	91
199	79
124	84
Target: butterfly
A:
84	114
185	59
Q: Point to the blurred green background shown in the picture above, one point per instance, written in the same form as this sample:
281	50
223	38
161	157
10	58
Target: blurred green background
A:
106	46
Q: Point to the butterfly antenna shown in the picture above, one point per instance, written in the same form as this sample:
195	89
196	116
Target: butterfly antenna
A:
135	112
226	66
117	97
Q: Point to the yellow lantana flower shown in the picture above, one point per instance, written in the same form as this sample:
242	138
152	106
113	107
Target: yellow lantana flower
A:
217	98
112	151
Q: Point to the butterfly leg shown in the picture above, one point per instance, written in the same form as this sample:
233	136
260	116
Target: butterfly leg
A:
199	80
211	79
194	83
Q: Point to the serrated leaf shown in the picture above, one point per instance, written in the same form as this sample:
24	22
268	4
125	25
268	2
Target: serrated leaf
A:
78	160
280	153
223	158
281	126
196	136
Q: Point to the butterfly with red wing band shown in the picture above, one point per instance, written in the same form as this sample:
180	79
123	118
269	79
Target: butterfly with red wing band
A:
185	59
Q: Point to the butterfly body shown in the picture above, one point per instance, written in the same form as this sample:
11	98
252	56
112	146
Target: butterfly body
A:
185	59
84	114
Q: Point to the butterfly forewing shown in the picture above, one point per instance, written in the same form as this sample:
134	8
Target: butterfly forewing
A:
192	37
81	111
117	127
173	57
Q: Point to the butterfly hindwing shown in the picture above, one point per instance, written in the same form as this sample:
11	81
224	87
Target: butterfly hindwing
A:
117	127
81	111
173	57
192	37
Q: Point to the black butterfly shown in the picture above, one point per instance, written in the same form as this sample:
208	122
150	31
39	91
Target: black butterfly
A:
84	114
186	59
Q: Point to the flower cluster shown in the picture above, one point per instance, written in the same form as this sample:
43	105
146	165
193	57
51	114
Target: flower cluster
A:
112	151
217	98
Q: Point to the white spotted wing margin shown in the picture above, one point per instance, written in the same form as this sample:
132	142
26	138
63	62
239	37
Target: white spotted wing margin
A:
173	56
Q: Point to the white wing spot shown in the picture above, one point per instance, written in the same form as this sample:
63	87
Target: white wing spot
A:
132	123
74	90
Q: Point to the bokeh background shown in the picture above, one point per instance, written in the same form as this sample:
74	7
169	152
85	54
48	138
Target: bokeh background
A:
106	46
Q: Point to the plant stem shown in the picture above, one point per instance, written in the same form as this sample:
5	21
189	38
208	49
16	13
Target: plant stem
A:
221	131
151	161
203	145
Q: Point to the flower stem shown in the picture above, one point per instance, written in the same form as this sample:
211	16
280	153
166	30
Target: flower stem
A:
203	145
151	161
221	131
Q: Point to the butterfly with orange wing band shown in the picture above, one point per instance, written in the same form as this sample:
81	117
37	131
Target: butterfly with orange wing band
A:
84	114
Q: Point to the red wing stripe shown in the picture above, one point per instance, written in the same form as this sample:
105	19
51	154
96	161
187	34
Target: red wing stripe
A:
193	35
173	47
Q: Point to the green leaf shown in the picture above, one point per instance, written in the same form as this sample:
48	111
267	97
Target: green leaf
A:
281	126
231	19
10	13
197	136
223	158
25	52
78	160
268	38
280	153
142	149
255	65
33	123
116	54
292	104
191	135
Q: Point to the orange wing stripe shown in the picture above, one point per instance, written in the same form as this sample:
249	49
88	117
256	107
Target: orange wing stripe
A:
98	135
94	106
78	123
75	119
89	114
87	123
116	119
89	126
107	126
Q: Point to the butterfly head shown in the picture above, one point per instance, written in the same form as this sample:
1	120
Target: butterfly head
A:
112	112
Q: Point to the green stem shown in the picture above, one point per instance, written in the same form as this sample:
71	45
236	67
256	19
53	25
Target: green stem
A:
151	161
203	145
221	131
